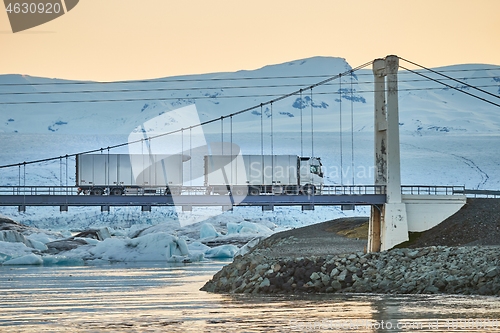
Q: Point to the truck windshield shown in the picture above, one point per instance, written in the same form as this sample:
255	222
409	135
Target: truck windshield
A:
315	169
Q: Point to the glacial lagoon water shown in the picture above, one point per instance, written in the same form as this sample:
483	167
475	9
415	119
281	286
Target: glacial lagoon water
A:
160	297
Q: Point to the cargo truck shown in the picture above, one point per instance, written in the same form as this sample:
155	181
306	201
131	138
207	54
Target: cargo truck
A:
118	174
256	174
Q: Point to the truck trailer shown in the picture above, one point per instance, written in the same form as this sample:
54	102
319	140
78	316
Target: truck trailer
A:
259	174
117	174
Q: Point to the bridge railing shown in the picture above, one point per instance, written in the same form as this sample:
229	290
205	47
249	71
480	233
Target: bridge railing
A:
494	194
352	189
186	190
432	190
38	190
327	190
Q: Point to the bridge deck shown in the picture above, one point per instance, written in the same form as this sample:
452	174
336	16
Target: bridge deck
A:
189	200
332	195
65	196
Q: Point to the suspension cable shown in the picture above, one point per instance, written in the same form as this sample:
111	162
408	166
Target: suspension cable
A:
60	172
340	132
190	155
312	125
449	86
222	134
67	173
352	132
272	149
450	78
231	146
301	105
272	131
261	131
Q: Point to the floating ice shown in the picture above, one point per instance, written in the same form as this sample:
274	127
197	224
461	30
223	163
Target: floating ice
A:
207	230
222	251
30	259
247	228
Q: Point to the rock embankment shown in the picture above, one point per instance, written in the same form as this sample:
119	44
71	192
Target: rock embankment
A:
429	270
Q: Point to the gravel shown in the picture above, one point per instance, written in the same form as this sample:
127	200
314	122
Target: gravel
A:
319	239
477	223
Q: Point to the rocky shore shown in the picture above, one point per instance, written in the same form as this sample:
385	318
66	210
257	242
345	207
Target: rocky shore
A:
459	256
429	270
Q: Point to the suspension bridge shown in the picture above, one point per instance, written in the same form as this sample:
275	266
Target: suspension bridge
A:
396	209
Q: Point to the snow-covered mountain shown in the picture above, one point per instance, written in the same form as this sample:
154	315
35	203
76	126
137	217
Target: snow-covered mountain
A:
425	106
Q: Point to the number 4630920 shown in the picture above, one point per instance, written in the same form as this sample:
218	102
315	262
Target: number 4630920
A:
33	8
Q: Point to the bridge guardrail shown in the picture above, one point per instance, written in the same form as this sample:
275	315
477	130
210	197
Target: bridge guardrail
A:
353	189
327	190
481	193
432	190
189	190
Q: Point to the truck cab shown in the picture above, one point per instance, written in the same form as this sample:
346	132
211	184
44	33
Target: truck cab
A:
311	175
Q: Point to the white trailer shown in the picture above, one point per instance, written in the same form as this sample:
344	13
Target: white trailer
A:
256	174
116	174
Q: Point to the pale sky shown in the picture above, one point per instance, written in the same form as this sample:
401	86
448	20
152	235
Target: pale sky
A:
108	40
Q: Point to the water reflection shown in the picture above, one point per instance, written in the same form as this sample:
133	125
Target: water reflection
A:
166	298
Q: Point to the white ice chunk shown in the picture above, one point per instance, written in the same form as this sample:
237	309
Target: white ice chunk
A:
37	245
62	260
13	236
151	247
103	233
207	230
222	251
30	259
10	250
249	246
246	227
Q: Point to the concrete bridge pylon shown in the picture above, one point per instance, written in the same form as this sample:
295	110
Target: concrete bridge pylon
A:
390	222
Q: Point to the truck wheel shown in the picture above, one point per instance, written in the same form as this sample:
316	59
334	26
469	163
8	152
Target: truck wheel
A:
175	190
309	189
254	191
240	191
278	190
116	191
97	191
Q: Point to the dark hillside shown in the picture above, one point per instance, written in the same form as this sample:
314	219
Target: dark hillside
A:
477	223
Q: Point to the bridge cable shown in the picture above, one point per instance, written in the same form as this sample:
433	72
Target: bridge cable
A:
67	175
261	132
198	88
222	134
155	81
107	176
166	80
301	105
272	149
191	156
60	172
449	86
231	146
261	140
282	97
352	131
340	132
312	125
450	78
